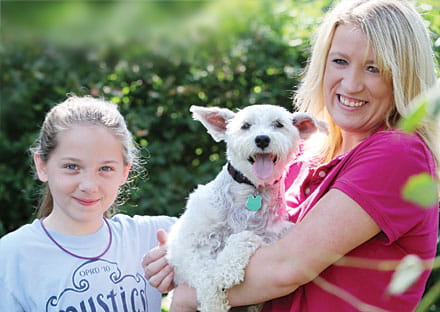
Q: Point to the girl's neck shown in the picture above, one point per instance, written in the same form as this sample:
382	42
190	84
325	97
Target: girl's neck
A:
68	226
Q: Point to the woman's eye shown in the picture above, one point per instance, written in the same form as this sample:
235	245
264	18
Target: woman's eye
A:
373	69
340	61
245	126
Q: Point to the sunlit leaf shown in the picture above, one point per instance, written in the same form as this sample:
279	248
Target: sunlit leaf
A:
428	104
407	272
411	122
421	189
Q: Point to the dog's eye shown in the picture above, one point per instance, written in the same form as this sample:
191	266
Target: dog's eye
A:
246	126
278	124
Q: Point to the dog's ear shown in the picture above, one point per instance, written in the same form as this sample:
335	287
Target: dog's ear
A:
214	119
308	125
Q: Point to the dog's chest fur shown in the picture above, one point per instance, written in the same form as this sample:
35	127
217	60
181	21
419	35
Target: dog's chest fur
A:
227	214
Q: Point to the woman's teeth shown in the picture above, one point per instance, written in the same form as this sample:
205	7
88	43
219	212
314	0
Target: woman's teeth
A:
351	103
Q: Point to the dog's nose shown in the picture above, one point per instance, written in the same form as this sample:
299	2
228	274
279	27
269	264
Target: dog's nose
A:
262	141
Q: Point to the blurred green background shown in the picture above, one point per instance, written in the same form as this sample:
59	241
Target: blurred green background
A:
154	59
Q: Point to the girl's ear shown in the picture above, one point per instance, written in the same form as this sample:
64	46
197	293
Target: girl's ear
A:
125	173
40	166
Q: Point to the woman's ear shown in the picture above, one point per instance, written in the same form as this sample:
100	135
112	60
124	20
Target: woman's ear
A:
125	173
40	166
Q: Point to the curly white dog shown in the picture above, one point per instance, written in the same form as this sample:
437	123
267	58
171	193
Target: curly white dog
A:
226	220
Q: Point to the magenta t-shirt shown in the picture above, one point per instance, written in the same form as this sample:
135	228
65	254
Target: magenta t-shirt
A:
372	174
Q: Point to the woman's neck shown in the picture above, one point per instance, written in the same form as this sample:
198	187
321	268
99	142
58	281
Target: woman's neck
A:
350	141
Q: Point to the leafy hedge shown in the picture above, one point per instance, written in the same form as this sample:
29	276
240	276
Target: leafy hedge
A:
154	92
154	89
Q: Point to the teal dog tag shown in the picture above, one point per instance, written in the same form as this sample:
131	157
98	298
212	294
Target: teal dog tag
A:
253	202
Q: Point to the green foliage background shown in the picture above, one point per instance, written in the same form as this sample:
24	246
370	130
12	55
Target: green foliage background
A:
154	59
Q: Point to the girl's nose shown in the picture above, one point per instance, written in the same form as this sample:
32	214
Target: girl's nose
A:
88	183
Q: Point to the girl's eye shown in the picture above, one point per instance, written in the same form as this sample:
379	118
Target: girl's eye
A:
340	61
107	168
373	69
245	126
71	166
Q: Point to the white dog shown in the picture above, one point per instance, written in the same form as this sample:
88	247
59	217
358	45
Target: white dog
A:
226	220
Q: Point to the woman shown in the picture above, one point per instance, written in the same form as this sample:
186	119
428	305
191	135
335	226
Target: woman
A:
370	59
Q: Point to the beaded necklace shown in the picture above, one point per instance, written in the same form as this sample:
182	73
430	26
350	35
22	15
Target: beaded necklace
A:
75	255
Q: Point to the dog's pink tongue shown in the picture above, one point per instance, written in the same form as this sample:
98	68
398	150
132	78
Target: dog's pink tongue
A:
263	166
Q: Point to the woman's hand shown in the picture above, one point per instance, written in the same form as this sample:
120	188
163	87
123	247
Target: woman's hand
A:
156	268
184	299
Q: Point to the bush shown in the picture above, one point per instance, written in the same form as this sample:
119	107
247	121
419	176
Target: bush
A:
154	93
258	60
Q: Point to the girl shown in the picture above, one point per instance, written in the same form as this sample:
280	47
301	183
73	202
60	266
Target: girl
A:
75	257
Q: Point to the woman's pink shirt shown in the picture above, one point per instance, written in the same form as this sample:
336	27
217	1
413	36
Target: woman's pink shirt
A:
373	174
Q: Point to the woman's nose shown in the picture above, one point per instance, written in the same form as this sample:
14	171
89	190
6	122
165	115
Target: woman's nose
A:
353	80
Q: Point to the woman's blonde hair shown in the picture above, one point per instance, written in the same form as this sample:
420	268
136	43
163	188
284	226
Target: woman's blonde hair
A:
397	35
81	110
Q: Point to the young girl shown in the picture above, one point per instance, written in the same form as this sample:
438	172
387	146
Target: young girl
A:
74	257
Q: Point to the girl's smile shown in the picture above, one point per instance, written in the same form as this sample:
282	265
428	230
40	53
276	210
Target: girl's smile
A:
84	173
86	202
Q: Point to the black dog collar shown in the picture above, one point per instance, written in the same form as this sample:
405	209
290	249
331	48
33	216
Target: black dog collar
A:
238	176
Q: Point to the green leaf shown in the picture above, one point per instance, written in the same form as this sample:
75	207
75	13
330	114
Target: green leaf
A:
421	189
427	104
412	121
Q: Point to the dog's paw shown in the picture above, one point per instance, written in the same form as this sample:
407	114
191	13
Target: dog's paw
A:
232	261
245	240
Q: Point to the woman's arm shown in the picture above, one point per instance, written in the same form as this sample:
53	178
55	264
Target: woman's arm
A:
336	225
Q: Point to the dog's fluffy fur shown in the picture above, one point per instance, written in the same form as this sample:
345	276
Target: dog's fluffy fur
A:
210	245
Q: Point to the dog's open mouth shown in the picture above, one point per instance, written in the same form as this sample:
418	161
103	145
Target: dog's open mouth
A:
263	164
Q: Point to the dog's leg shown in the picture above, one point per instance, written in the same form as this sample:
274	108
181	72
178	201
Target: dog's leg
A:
233	259
228	270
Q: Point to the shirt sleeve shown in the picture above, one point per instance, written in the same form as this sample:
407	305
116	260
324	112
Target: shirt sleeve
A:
143	228
375	175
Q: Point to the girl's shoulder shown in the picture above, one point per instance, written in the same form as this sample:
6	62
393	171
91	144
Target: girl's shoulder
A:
25	238
22	234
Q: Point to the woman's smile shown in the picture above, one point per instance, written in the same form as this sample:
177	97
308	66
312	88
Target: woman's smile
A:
357	96
350	102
